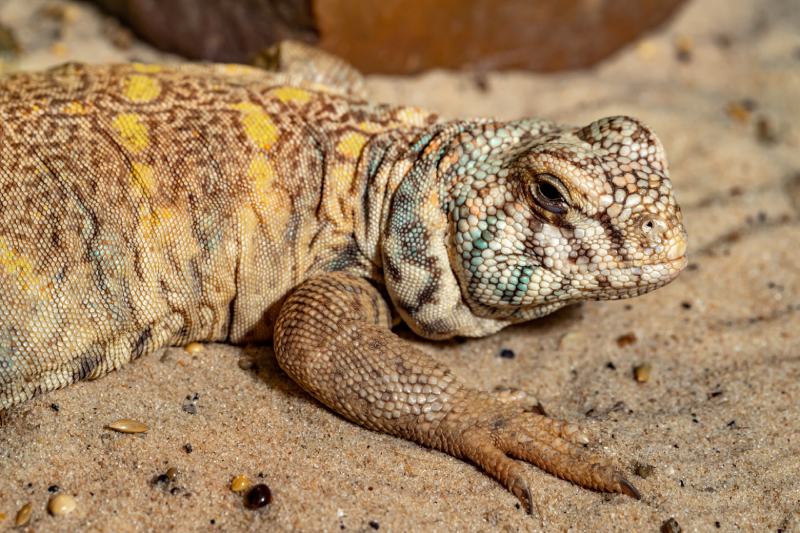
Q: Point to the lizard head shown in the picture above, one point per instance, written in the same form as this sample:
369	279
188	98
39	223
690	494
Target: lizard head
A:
563	214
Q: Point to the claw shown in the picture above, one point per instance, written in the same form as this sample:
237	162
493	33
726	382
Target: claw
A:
523	492
627	488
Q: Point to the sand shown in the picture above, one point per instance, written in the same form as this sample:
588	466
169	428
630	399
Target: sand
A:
714	434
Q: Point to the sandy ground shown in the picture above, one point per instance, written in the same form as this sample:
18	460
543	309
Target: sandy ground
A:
712	439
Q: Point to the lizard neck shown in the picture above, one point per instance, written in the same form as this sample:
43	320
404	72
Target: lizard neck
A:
406	228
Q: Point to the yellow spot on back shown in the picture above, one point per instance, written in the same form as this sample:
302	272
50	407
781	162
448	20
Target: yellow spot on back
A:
75	108
338	200
262	173
291	94
270	197
258	125
154	220
412	116
143	178
19	267
370	127
145	68
140	88
351	144
132	131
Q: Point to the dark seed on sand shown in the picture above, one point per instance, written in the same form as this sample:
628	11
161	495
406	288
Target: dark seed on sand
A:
507	353
258	496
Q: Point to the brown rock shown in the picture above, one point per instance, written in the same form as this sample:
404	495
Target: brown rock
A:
401	36
217	30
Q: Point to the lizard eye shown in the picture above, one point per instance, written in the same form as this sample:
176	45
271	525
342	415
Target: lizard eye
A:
549	193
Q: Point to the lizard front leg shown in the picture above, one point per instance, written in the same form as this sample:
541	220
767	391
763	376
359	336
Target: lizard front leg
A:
333	338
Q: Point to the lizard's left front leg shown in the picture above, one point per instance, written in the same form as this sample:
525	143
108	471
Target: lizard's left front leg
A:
333	338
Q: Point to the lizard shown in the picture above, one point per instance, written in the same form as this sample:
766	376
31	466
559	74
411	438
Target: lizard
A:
143	206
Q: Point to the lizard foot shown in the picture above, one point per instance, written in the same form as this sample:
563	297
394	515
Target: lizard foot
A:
333	338
553	445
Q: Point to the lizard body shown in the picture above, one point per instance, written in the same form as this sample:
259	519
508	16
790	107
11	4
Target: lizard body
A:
144	206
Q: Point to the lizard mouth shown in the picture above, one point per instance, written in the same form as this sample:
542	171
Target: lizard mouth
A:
635	280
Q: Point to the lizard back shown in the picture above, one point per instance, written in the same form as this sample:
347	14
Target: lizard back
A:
142	206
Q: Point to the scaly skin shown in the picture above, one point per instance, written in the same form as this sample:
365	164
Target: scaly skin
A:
145	206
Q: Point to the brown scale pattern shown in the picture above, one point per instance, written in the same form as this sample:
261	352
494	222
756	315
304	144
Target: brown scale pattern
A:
143	206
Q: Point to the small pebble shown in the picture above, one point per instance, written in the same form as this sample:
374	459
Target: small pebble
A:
188	448
683	48
246	363
481	81
126	425
54	407
670	526
739	112
172	473
641	373
23	515
190	405
647	50
507	353
59	49
53	488
626	340
374	524
643	470
258	496
571	340
61	504
193	347
240	483
8	41
766	132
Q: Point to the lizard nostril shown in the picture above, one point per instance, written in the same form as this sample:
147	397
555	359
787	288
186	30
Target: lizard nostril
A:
653	228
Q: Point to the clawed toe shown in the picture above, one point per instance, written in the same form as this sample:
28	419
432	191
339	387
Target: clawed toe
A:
500	441
556	447
521	490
